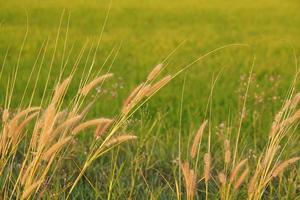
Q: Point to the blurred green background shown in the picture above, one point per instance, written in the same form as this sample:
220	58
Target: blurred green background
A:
141	34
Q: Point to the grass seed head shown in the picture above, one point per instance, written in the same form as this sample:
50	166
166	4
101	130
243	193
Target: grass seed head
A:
158	85
31	189
282	166
67	124
222	178
155	71
293	119
227	155
87	88
22	126
93	122
190	179
252	183
131	96
101	128
295	101
236	169
5	115
60	90
241	179
119	139
207	167
197	140
56	147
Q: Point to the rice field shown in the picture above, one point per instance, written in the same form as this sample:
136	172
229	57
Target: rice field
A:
149	99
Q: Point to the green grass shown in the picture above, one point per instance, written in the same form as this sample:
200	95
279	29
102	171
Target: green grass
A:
148	32
145	34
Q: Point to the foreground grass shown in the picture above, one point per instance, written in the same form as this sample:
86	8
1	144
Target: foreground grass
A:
140	36
39	161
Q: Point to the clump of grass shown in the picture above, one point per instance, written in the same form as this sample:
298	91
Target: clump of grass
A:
53	130
190	178
136	98
235	173
189	173
268	165
45	134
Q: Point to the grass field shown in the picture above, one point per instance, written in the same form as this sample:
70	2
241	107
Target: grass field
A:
136	36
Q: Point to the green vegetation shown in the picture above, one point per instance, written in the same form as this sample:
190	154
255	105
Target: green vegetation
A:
133	38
